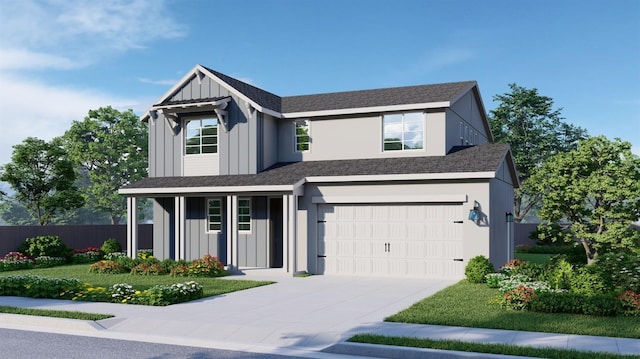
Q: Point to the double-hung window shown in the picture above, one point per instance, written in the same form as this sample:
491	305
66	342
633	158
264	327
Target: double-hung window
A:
214	215
302	135
403	131
201	136
244	214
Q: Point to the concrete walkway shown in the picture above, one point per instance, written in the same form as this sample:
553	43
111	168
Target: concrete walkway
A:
296	316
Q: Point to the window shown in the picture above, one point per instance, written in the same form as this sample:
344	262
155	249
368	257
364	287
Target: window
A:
403	131
214	215
201	136
244	214
302	135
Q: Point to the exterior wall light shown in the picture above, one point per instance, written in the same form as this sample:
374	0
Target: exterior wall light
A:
474	214
509	217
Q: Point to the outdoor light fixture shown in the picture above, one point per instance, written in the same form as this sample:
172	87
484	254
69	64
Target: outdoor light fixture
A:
474	214
509	217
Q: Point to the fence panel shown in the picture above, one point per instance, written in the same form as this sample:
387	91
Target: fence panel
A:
75	236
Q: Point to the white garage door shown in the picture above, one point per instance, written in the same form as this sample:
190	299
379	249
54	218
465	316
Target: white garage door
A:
412	240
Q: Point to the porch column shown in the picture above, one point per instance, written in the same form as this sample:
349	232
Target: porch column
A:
289	232
232	232
179	241
132	227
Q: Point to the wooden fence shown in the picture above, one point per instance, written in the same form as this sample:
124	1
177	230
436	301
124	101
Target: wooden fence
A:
75	236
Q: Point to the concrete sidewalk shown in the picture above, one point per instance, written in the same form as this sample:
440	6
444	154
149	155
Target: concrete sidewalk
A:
296	316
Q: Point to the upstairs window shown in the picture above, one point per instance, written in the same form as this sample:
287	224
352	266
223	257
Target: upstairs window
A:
302	135
214	216
244	214
403	131
201	136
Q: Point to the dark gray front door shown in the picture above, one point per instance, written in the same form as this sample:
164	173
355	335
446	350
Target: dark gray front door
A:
275	225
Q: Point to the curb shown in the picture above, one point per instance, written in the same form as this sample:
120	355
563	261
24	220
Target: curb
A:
396	352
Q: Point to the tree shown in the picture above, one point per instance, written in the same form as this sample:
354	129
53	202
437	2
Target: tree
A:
43	178
112	146
596	188
527	121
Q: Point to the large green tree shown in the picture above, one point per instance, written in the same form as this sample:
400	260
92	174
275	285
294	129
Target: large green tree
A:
112	146
42	177
535	130
595	190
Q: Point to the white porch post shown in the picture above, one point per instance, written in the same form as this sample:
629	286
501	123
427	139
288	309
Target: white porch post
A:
289	232
132	227
232	232
285	233
179	240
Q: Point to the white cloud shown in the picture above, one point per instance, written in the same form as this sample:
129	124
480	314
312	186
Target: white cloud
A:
55	31
443	57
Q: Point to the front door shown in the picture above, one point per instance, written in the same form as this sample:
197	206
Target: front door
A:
275	235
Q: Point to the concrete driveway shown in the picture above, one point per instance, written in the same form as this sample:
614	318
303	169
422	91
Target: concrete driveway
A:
295	314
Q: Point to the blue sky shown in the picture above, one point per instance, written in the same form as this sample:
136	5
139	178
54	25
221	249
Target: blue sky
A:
58	59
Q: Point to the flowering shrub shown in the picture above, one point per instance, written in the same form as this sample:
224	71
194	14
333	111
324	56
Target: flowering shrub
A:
105	266
630	303
518	298
87	255
38	287
144	254
207	266
161	295
89	293
148	269
623	268
47	262
114	255
181	270
15	260
512	264
121	292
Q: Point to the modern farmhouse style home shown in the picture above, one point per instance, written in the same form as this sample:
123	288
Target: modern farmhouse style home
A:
394	182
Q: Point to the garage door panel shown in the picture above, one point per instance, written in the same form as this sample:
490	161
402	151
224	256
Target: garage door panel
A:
391	240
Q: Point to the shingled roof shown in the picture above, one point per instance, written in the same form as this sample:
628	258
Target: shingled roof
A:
481	158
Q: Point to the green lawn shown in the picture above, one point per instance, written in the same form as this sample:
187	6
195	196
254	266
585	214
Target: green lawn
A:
54	313
466	305
540	258
211	286
485	348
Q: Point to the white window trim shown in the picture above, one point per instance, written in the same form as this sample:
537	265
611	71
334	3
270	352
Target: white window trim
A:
186	120
208	221
248	199
424	130
295	135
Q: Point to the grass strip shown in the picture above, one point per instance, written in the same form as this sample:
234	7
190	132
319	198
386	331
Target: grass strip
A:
54	313
505	349
466	304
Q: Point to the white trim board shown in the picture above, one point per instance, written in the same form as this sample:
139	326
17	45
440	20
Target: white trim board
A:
445	198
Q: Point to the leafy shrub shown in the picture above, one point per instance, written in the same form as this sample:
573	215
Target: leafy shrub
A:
517	280
629	303
38	287
477	268
574	303
14	261
590	280
87	255
508	267
47	262
110	246
208	266
121	293
113	255
559	272
493	280
622	269
145	254
148	269
50	246
106	267
126	262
